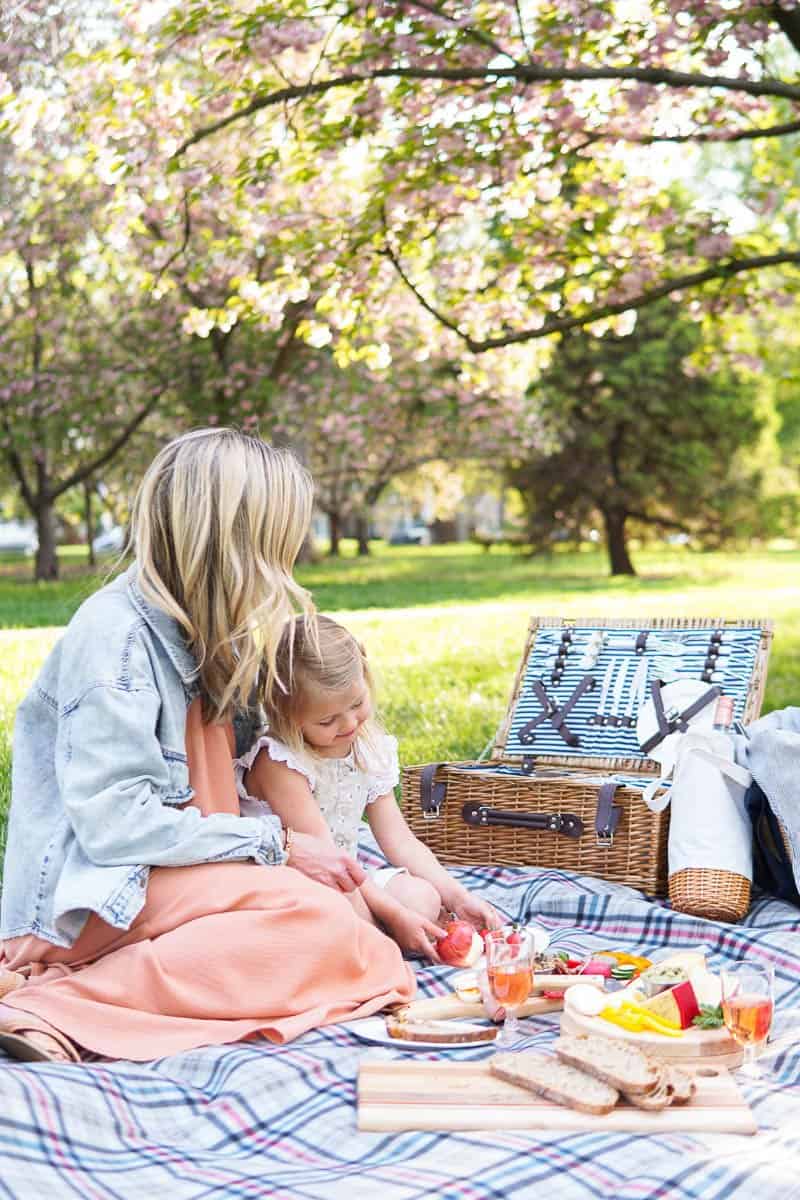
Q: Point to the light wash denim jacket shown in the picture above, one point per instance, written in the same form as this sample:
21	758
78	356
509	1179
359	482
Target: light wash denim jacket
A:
99	774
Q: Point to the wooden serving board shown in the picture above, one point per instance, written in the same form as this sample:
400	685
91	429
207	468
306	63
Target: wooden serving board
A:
398	1095
695	1047
445	1008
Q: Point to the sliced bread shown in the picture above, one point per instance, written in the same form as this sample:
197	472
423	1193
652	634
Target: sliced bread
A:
617	1063
676	1087
453	1032
681	1085
553	1080
656	1100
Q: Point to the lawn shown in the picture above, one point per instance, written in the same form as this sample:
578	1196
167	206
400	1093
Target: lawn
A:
445	626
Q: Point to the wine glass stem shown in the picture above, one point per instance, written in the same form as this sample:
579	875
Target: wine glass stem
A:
749	1064
510	1031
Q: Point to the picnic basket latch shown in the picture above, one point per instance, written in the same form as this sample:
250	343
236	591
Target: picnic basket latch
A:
432	792
608	814
480	815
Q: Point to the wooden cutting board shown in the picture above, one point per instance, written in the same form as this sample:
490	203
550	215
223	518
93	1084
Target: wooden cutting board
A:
399	1095
695	1047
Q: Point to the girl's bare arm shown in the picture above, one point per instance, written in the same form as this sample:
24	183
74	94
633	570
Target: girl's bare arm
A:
289	795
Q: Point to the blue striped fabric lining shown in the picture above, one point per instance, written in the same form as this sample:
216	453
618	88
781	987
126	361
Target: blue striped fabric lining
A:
737	659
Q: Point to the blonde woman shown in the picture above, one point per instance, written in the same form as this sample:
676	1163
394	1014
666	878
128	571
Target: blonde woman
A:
324	762
144	911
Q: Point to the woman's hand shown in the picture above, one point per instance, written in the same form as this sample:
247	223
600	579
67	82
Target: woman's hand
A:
324	862
413	933
471	908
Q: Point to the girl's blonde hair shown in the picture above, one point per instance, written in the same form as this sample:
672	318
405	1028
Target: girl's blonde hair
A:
217	524
316	658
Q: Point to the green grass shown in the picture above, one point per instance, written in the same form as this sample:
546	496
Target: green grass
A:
445	626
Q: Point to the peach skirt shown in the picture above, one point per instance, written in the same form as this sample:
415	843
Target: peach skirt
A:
220	952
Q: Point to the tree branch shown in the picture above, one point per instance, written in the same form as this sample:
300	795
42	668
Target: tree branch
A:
521	72
723	136
722	270
89	468
18	468
789	22
187	233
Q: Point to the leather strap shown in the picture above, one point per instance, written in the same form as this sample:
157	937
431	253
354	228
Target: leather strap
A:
678	721
641	642
481	815
608	813
555	713
431	792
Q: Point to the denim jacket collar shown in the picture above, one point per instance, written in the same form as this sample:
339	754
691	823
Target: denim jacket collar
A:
165	628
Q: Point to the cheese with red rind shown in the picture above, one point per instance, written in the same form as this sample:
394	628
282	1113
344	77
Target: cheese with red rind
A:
678	1004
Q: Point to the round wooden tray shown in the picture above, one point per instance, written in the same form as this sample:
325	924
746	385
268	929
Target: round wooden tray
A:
695	1048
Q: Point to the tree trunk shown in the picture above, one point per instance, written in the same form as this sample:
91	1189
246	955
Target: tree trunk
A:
362	533
46	563
88	492
614	519
335	533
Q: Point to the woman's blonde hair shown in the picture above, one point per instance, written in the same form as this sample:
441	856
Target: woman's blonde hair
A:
217	524
317	658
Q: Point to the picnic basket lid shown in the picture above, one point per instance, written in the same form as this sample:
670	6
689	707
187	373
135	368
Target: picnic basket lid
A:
734	652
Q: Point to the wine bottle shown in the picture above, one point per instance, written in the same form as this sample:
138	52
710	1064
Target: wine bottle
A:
723	727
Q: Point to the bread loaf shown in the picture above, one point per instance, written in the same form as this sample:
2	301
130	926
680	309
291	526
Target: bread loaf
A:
553	1080
623	1066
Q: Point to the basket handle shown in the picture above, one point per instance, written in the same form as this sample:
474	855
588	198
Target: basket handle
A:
480	815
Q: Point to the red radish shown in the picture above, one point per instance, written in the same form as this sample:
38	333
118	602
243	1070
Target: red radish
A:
596	966
461	946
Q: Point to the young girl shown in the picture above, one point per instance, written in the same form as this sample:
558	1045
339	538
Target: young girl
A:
143	911
325	762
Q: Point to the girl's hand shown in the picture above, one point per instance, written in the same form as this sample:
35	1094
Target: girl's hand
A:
479	913
327	864
414	933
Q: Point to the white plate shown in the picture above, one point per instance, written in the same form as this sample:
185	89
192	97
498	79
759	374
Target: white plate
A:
373	1030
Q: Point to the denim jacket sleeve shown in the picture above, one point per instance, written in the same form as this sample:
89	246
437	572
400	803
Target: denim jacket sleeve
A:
116	790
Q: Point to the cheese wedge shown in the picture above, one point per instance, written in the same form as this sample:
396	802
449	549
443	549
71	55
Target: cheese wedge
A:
678	1004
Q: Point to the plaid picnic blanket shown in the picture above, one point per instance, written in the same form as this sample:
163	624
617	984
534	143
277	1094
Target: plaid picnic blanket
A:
249	1121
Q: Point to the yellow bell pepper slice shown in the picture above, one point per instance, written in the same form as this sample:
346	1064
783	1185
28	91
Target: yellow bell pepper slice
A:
633	960
649	1020
635	1019
633	1007
626	1020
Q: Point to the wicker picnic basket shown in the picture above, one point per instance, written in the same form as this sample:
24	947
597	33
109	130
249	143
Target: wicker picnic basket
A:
562	790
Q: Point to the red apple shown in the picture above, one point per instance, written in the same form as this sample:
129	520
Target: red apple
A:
461	946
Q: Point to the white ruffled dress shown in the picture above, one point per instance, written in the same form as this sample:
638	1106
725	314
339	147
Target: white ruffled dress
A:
341	787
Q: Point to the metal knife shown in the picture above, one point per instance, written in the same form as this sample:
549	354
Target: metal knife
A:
614	717
638	693
599	717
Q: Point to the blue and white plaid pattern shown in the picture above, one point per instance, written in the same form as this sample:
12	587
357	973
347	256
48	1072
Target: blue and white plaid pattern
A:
250	1121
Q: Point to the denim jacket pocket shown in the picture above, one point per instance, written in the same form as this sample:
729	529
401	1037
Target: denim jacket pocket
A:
178	790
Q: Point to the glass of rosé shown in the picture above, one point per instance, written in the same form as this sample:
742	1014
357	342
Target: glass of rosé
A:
747	1008
509	967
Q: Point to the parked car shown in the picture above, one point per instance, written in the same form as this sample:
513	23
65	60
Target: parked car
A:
19	536
110	541
410	535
